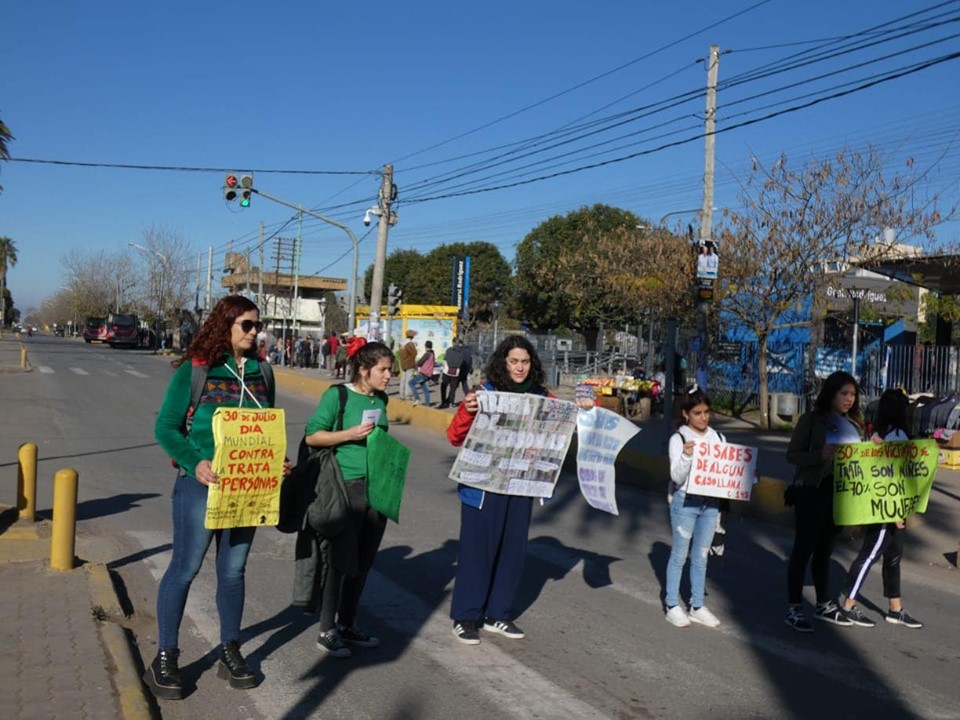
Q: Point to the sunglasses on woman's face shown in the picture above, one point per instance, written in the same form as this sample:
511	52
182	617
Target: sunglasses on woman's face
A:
248	325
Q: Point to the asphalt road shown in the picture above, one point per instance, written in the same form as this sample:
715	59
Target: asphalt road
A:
597	645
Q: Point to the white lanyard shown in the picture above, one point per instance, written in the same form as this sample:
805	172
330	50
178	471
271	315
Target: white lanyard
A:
243	386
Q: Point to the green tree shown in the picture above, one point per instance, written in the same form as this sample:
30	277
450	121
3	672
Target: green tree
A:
5	137
794	224
427	279
8	259
552	289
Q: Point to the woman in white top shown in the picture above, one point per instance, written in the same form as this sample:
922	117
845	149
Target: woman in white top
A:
884	539
693	518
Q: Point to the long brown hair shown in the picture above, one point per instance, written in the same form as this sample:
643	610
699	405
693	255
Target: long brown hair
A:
212	341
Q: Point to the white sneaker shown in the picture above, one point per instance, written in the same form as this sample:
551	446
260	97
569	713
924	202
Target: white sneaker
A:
704	617
677	617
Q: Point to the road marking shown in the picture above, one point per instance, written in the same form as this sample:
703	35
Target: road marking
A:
79	371
135	373
109	372
506	682
46	369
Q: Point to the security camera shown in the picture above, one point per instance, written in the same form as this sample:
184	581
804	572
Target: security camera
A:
372	211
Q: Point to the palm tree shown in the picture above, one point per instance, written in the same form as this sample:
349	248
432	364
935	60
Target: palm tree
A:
5	137
8	259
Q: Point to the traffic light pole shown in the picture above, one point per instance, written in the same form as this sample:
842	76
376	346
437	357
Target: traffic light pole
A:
387	191
353	239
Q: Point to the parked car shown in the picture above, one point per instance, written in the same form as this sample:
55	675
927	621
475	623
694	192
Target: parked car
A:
123	330
95	330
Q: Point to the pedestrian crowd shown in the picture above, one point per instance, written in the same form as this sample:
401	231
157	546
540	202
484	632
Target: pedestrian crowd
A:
225	367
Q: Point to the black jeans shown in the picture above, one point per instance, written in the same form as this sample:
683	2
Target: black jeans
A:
448	388
886	540
814	535
341	594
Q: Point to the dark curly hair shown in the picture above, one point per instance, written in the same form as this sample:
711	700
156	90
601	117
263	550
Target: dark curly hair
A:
496	370
212	341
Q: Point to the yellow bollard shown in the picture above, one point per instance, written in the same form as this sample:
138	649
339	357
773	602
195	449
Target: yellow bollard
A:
27	482
23	357
64	534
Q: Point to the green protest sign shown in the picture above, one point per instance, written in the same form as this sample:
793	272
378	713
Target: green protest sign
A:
882	483
386	473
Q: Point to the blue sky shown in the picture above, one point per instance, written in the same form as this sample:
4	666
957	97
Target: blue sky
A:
432	87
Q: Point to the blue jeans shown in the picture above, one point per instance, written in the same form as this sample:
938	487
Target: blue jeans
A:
694	520
190	543
416	382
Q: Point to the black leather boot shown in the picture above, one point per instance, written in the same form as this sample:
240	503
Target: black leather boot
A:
163	675
234	668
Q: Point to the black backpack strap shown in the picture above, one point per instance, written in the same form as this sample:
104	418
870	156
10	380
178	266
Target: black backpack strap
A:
342	393
198	383
266	370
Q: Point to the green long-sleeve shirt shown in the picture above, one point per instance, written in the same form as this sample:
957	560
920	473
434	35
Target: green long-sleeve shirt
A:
222	389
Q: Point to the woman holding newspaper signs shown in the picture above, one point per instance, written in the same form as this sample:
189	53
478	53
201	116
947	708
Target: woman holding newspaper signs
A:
493	527
225	347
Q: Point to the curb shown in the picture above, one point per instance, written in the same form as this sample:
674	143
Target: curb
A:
130	692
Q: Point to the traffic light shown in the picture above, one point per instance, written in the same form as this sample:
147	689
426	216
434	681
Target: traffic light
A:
394	299
246	190
231	187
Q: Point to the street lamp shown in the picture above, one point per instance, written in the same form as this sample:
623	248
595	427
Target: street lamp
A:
496	320
163	267
323	315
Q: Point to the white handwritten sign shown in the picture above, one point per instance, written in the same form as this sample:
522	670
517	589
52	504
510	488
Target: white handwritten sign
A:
722	470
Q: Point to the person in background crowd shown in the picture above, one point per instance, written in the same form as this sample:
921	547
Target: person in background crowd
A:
693	518
225	344
370	369
884	539
466	368
450	373
835	419
340	360
423	375
408	364
334	349
325	349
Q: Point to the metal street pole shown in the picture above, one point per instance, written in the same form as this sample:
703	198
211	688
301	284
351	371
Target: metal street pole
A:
387	191
353	239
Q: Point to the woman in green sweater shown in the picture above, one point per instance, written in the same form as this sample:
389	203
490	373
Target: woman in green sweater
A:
226	345
365	409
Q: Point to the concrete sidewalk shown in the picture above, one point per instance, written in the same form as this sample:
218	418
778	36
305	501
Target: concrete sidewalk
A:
69	658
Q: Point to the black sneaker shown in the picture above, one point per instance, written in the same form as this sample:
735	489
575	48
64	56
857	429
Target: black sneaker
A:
466	632
797	620
234	668
358	638
332	644
856	616
829	612
505	628
163	676
902	617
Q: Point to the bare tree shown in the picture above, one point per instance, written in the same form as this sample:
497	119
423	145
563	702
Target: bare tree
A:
777	249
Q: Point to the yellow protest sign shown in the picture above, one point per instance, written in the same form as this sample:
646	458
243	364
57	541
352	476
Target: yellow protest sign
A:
250	445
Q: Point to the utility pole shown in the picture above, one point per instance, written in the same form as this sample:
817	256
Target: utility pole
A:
706	212
388	193
296	272
260	269
206	307
196	299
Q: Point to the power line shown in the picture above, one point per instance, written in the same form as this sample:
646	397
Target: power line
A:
184	168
